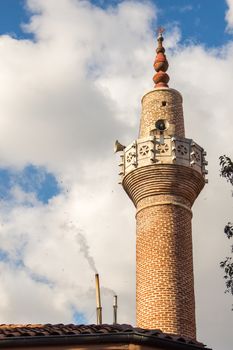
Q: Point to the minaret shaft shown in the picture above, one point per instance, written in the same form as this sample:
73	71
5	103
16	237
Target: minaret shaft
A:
164	279
163	173
163	195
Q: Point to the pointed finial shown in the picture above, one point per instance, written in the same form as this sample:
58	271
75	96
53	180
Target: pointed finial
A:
161	78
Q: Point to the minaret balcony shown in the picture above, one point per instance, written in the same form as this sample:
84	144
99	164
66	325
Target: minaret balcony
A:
162	150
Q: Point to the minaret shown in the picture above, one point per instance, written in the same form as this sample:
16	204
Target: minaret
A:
163	172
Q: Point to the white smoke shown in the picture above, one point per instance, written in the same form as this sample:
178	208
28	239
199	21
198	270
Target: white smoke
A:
108	291
85	249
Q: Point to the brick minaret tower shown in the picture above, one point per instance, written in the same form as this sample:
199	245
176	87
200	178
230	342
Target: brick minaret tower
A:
163	172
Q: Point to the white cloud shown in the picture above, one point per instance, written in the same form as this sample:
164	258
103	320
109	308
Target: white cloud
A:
186	8
229	15
64	99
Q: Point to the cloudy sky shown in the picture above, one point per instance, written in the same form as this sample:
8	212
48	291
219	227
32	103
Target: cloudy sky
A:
72	74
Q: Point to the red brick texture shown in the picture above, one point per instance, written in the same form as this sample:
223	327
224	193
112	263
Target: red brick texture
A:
163	195
165	296
154	109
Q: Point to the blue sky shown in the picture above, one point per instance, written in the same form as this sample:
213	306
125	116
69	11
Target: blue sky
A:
12	14
53	138
200	22
30	179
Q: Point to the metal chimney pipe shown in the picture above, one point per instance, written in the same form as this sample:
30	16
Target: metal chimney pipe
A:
98	300
115	309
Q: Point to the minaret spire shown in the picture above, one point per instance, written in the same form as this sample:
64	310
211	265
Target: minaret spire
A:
163	172
161	78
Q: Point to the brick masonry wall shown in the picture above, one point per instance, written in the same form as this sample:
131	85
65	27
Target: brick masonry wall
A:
153	109
164	281
163	195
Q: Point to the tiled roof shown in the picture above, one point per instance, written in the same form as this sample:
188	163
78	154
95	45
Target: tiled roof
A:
79	334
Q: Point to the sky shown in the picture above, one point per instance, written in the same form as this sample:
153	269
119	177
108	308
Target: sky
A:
72	77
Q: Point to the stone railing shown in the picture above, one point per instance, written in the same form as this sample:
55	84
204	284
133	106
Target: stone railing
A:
163	150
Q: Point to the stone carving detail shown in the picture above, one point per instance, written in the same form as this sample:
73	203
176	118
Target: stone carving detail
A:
163	148
182	150
197	157
173	151
144	150
130	157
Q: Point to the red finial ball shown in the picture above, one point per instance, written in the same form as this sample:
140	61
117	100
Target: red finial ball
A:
161	78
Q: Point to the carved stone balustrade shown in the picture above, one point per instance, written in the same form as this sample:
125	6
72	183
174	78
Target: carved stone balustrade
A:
162	150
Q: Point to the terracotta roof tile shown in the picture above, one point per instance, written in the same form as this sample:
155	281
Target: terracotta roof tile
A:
13	332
